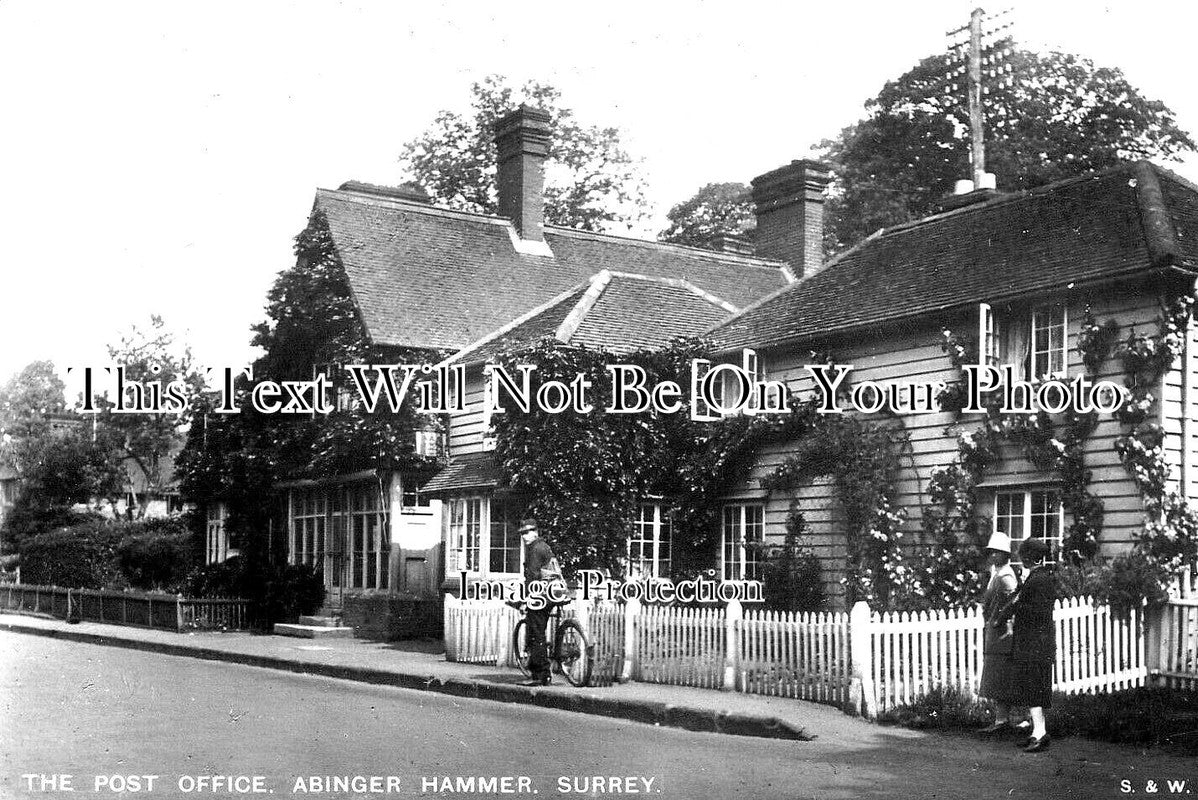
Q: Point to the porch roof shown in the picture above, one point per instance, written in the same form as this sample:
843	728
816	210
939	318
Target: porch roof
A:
473	471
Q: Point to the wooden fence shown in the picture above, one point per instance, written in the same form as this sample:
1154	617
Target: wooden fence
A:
871	662
138	609
1175	640
788	655
908	655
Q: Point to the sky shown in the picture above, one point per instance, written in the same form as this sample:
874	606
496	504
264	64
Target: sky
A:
159	158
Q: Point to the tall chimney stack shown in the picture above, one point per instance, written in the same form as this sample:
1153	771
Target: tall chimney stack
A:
789	204
522	138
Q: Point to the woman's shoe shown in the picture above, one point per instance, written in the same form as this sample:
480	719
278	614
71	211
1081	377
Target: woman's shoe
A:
1035	745
994	728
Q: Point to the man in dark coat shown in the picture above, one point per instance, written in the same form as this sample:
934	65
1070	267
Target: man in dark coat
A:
1034	645
538	557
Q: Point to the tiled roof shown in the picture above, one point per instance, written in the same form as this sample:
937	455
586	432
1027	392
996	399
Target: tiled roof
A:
433	278
474	471
1129	219
616	311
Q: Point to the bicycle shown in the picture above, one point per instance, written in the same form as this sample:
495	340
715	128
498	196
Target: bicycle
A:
571	651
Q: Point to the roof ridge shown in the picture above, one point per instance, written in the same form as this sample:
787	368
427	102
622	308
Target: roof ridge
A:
752	261
1010	197
409	205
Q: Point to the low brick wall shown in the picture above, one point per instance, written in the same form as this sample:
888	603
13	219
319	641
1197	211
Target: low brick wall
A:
392	616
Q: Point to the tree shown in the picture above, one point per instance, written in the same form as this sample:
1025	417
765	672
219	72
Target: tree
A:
591	180
718	209
1060	116
28	399
150	355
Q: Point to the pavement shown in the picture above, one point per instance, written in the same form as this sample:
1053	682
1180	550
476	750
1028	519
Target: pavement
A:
422	666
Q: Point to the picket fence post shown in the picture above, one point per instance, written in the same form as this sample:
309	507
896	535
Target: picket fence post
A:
732	615
632	608
862	693
449	622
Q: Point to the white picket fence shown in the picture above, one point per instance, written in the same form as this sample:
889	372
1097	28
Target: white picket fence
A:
1175	639
869	661
911	654
803	655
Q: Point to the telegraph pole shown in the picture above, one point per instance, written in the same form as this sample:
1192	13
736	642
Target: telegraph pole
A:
975	56
977	138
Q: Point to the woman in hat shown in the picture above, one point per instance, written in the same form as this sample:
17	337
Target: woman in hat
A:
997	640
1034	645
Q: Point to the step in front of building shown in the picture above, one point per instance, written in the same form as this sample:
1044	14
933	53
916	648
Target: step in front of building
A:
322	621
304	631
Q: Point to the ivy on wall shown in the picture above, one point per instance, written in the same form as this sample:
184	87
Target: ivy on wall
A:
583	475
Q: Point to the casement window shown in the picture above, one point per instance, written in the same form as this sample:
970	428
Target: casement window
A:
504	546
484	536
344	531
217	535
1029	513
1047	342
309	519
743	536
414	501
649	542
1035	343
369	540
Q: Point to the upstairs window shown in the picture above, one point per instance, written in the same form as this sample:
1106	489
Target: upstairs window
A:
1035	343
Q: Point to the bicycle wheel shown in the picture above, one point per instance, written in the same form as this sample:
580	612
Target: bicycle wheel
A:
520	646
572	651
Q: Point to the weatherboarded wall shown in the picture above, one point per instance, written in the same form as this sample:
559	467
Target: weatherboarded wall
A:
913	353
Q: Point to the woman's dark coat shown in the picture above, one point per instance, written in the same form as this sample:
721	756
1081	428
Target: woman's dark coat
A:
1034	646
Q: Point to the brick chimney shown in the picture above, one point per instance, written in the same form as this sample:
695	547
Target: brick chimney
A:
522	138
789	204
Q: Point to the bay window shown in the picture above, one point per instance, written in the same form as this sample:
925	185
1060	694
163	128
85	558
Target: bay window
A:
344	531
484	536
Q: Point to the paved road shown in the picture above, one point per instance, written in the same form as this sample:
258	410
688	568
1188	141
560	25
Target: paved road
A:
91	711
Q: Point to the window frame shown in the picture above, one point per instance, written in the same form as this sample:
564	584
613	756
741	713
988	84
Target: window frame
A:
1015	339
216	534
457	529
1027	517
660	527
345	523
746	562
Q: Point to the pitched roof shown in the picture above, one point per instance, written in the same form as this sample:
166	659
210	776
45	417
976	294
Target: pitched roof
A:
1132	218
615	311
434	278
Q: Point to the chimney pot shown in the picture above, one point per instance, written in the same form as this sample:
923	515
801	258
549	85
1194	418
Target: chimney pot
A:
789	204
522	139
